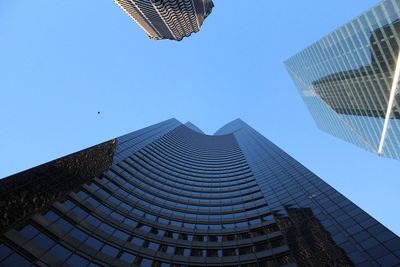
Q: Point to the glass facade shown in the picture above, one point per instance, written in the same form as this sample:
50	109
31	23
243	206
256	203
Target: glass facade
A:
169	195
167	19
348	80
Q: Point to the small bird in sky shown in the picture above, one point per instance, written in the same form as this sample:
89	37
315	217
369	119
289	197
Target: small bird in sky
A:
98	112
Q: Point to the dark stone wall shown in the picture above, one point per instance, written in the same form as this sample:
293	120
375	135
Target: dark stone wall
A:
27	192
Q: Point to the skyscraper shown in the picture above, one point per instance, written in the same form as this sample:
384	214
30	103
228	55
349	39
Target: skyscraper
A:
169	195
349	80
167	19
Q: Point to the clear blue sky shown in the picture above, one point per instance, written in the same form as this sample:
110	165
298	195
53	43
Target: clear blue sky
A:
63	61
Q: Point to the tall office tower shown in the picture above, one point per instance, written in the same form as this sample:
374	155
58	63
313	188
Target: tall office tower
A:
349	80
167	19
169	195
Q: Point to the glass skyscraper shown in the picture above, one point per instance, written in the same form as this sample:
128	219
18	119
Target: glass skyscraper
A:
167	19
349	80
169	195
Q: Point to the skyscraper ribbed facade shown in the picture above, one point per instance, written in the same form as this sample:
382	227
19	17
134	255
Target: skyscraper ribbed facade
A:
349	80
169	195
167	19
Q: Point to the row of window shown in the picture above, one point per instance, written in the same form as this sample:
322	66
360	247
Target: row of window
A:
36	239
130	201
123	211
213	208
131	178
136	168
222	174
173	151
132	173
204	146
155	155
80	215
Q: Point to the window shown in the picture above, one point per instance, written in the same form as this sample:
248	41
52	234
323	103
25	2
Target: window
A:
128	257
116	216
262	246
29	231
277	242
43	241
229	252
92	202
229	237
94	243
213	238
4	251
170	250
188	225
144	228
153	246
245	250
130	222
150	217
76	260
186	252
146	262
268	218
163	248
271	228
92	220
258	232
138	212
255	221
121	235
213	253
15	260
196	253
198	238
179	251
63	225
163	221
168	234
243	236
78	234
137	241
103	210
51	216
106	228
109	250
68	204
241	224
215	227
202	226
82	195
60	252
154	230
175	223
229	225
125	206
78	213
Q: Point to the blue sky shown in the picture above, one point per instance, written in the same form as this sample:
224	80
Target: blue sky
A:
63	61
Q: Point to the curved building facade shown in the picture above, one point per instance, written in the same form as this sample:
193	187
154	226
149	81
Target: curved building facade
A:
167	19
169	195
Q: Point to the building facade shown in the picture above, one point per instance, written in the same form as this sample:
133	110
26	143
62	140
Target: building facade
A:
349	80
169	195
167	19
